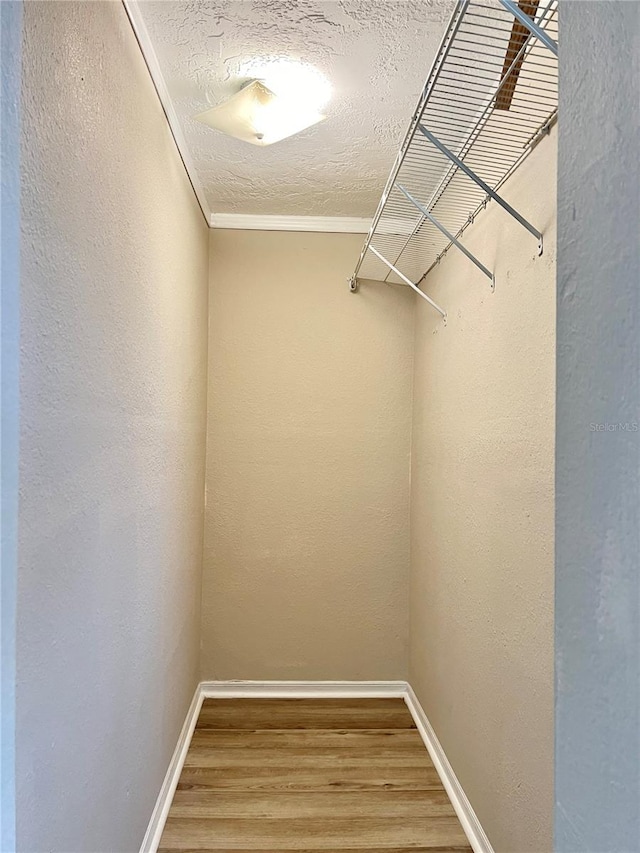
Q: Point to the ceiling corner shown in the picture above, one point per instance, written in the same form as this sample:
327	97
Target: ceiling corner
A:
144	41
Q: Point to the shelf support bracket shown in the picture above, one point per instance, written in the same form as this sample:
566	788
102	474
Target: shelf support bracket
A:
409	282
484	186
448	235
530	24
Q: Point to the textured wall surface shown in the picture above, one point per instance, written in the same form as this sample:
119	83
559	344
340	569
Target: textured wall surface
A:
307	537
481	627
113	394
11	70
376	55
598	442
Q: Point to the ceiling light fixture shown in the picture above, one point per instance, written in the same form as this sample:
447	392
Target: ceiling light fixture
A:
286	99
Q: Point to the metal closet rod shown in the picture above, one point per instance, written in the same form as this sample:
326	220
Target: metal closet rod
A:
543	131
444	183
474	135
443	49
449	103
477	132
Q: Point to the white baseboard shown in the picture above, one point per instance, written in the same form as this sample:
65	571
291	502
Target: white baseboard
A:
304	689
466	815
314	690
165	797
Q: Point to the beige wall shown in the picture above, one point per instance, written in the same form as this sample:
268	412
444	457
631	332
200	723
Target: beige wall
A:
307	537
482	514
113	394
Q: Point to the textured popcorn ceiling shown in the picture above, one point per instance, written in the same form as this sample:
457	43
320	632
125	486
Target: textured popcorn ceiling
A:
376	56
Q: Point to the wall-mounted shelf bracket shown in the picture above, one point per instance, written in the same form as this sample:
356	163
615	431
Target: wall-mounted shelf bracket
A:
531	25
440	311
482	184
423	210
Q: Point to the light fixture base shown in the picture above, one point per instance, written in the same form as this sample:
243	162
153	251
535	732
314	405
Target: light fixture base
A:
257	115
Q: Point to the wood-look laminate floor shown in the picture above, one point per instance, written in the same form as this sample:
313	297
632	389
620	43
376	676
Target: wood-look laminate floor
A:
309	775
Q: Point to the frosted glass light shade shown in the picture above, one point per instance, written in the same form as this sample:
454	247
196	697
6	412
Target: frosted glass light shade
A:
256	115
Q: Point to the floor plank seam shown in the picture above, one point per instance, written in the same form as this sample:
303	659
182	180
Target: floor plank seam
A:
309	775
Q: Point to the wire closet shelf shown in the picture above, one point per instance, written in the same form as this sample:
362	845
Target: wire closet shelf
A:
491	95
